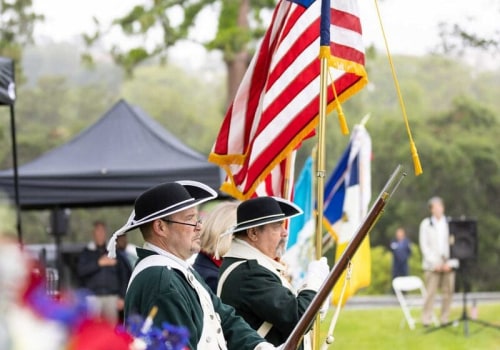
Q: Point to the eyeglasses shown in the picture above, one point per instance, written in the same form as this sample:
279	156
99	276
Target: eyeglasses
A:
198	222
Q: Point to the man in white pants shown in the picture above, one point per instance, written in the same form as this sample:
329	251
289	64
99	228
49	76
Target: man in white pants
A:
436	262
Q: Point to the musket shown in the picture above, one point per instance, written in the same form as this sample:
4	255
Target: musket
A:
323	293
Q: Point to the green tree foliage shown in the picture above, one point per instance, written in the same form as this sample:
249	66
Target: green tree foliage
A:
188	108
457	40
458	153
454	119
240	24
16	30
461	39
17	21
63	59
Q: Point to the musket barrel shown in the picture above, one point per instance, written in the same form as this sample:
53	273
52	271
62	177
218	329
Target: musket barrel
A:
339	267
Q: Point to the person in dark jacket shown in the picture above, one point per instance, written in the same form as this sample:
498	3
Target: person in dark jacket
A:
252	279
103	277
401	252
126	262
215	242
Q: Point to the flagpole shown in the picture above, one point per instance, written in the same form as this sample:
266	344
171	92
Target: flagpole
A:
324	56
320	179
320	157
289	167
17	200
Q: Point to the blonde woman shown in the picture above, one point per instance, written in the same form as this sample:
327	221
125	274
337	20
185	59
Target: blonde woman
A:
213	246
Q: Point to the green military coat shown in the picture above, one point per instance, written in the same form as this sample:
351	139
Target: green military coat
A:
178	304
258	295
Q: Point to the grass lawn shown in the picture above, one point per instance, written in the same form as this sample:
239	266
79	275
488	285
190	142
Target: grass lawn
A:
383	329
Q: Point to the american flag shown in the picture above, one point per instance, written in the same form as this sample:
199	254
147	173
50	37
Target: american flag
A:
277	103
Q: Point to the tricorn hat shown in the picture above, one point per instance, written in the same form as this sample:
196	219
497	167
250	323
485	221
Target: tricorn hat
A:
263	210
162	200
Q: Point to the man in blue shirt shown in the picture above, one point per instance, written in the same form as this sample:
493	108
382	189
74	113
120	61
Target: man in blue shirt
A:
401	252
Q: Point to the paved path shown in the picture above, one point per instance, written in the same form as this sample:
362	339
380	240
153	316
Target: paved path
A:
379	301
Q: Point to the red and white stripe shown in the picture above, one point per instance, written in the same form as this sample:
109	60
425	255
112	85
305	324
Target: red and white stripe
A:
277	103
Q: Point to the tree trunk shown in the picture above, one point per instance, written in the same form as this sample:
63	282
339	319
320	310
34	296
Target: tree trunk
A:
238	64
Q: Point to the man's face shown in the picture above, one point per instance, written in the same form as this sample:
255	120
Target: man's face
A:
437	209
183	240
400	234
271	239
99	235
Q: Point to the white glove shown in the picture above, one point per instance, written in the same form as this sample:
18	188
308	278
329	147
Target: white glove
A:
317	271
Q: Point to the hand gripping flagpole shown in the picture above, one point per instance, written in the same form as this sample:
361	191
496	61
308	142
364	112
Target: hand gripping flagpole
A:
343	262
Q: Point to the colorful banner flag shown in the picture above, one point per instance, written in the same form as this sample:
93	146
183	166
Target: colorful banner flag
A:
277	103
300	247
347	196
303	197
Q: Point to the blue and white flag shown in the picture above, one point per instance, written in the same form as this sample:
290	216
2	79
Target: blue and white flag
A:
347	196
300	247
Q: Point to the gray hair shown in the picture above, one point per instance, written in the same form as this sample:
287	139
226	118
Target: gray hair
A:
435	199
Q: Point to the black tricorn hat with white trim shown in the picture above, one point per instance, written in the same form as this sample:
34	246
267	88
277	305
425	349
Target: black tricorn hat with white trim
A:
263	210
163	200
169	198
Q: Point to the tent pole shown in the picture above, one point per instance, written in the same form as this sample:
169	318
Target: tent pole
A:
16	174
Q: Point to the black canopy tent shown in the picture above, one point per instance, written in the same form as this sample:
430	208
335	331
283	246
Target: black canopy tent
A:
109	164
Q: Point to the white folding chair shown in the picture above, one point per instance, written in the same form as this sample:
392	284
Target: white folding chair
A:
409	284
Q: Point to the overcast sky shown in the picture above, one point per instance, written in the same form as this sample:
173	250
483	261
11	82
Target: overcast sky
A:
411	26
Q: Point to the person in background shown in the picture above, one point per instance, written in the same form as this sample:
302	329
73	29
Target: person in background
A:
252	279
401	252
436	262
215	242
127	249
163	282
127	260
102	276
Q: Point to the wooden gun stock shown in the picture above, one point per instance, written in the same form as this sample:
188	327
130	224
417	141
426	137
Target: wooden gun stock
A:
337	270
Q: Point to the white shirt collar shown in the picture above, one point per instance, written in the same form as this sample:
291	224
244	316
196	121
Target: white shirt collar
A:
156	249
243	250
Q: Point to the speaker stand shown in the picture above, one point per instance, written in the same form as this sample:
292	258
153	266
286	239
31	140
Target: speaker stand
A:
464	318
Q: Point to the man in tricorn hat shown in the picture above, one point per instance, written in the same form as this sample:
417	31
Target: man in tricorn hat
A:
167	217
252	278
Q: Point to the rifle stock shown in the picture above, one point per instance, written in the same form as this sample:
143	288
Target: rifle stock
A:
337	270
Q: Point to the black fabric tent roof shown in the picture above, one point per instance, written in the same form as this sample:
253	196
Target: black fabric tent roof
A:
110	163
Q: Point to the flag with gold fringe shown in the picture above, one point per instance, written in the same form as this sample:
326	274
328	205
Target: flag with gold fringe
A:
347	196
277	103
